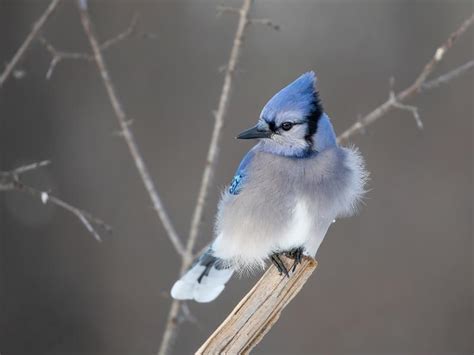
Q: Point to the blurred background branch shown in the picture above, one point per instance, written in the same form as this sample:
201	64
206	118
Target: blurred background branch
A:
446	78
209	168
219	116
395	101
10	181
57	55
126	130
37	26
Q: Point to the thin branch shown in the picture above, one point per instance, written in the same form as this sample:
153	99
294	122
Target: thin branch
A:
415	88
412	109
213	151
57	55
265	22
211	162
186	315
258	311
129	31
33	166
10	181
31	36
126	129
229	9
446	78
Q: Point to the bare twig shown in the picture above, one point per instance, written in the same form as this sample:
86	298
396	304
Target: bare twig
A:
186	315
128	32
126	129
213	151
258	311
415	88
57	55
265	22
33	166
222	9
211	162
10	181
31	36
412	109
446	78
169	334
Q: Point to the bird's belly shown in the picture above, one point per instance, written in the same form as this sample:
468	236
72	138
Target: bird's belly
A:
298	230
254	240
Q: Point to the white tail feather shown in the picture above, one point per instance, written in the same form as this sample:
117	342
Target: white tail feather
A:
189	288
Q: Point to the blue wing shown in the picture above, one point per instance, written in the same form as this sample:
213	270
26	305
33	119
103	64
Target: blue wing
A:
241	173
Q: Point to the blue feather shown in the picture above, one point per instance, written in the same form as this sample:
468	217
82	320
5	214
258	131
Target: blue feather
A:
239	177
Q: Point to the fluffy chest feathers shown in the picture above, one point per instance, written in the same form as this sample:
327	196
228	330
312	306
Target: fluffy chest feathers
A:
287	202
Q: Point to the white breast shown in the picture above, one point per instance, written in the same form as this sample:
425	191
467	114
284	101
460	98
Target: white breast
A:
299	228
249	251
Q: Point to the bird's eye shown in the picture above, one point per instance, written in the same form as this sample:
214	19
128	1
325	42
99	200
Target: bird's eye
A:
286	126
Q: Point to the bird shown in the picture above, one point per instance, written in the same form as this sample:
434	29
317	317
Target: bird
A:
287	191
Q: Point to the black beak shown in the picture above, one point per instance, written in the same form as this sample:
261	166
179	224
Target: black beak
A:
255	132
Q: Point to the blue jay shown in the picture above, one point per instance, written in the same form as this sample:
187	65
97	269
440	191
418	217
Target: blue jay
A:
286	192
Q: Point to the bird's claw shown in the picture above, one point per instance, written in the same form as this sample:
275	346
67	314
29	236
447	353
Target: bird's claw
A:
297	255
279	265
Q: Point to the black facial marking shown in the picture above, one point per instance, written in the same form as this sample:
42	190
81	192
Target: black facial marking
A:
313	118
272	126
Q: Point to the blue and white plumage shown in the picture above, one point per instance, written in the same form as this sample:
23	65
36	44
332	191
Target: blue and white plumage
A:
285	194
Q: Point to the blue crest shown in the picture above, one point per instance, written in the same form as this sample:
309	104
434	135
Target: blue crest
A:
299	96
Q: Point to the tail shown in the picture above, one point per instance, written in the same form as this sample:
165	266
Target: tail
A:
204	281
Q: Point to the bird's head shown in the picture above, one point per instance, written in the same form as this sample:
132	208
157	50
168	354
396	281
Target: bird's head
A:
293	122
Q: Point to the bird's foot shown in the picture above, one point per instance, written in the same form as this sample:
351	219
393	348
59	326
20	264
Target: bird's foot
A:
297	255
275	258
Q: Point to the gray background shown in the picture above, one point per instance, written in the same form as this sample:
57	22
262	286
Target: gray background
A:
396	279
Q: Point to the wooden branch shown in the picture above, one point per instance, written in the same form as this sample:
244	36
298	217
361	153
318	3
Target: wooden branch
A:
258	311
31	36
126	130
395	100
